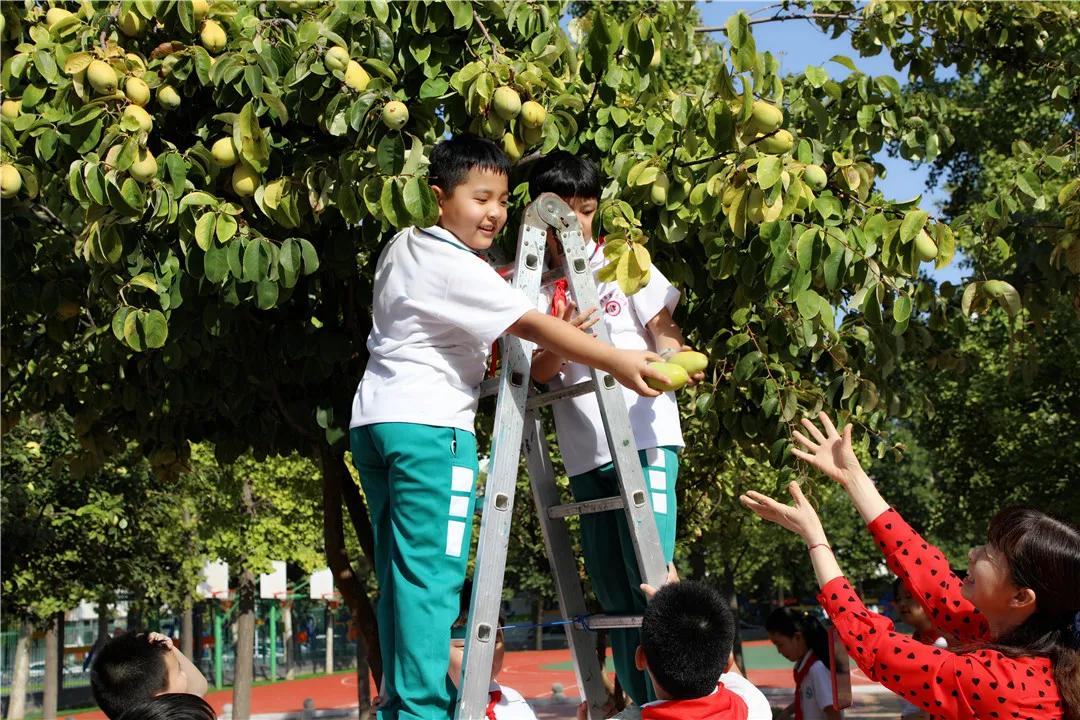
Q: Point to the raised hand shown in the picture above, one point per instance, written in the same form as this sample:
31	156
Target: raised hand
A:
829	452
583	320
800	517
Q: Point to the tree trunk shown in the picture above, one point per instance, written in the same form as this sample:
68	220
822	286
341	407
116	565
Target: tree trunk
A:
243	665
20	672
134	616
538	617
287	640
187	631
53	648
363	679
338	487
103	619
329	660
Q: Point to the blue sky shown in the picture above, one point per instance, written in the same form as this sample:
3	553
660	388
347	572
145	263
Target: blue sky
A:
797	44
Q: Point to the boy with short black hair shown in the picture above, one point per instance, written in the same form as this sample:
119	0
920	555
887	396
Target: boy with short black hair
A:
642	321
437	309
134	667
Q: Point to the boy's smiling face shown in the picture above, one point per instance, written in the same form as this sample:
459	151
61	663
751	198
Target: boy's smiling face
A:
475	210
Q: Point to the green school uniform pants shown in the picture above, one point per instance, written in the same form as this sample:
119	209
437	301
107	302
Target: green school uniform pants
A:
419	481
609	554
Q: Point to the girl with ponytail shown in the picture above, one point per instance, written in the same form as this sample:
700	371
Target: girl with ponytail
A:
801	638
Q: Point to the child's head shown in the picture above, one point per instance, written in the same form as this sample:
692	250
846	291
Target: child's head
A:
469	176
573	178
909	610
686	637
173	706
130	669
794	631
458	633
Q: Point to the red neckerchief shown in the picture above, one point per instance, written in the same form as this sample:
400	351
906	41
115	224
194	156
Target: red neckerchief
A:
559	297
496	696
800	673
720	705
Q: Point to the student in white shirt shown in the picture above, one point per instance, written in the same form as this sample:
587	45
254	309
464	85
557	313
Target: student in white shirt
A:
437	308
642	321
801	638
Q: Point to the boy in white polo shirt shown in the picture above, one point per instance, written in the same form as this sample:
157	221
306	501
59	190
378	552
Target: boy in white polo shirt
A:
438	307
643	322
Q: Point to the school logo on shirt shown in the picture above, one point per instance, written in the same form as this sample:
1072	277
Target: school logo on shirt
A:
808	692
613	305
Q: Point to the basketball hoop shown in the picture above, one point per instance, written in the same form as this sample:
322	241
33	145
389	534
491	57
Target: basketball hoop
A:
226	605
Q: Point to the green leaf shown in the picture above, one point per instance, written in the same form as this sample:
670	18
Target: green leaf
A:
133	330
769	169
155	329
310	257
804	248
390	155
197	199
266	294
914	221
204	230
145	280
901	310
118	321
744	369
226	227
251	140
216	264
946	244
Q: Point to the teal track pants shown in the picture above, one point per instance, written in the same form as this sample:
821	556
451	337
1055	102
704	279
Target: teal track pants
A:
419	481
609	553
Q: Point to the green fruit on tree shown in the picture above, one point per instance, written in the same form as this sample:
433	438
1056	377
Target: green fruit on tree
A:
144	168
676	374
507	103
925	247
776	144
755	206
765	117
356	77
690	360
532	135
395	114
533	114
213	37
200	9
146	123
11	109
102	77
244	180
54	16
994	289
132	24
659	190
513	147
493	126
656	59
10	181
137	90
168	98
337	59
224	152
814	176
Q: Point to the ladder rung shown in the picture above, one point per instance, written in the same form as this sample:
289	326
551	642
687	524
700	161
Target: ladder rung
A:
608	622
491	387
587	507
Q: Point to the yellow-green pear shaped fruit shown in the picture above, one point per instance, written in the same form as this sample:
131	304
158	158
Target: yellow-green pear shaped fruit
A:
776	144
513	147
11	109
659	190
395	114
200	9
146	123
137	90
132	24
765	117
493	126
10	181
356	77
224	152
337	58
814	176
54	16
168	98
656	59
691	361
755	206
532	135
677	377
507	103
925	247
213	37
533	114
244	180
102	77
145	166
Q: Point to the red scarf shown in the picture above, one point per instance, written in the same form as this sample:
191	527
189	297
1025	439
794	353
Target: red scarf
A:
720	705
496	696
800	673
559	298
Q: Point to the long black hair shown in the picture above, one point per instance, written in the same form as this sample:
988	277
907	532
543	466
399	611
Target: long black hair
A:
788	620
1043	554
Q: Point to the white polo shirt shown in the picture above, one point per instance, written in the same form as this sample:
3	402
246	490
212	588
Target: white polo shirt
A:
655	421
438	307
816	690
512	706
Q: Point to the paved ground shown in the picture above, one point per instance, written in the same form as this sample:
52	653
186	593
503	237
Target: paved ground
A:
533	674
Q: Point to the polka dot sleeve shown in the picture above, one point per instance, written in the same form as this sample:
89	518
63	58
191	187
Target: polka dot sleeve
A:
928	578
981	685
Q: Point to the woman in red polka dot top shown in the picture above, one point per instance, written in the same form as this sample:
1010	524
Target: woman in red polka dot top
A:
1016	616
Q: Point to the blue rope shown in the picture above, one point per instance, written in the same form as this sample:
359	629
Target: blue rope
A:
581	621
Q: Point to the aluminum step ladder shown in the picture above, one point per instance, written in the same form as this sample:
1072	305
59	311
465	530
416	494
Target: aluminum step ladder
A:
518	421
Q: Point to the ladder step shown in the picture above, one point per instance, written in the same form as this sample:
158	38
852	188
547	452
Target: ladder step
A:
609	622
491	387
586	508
